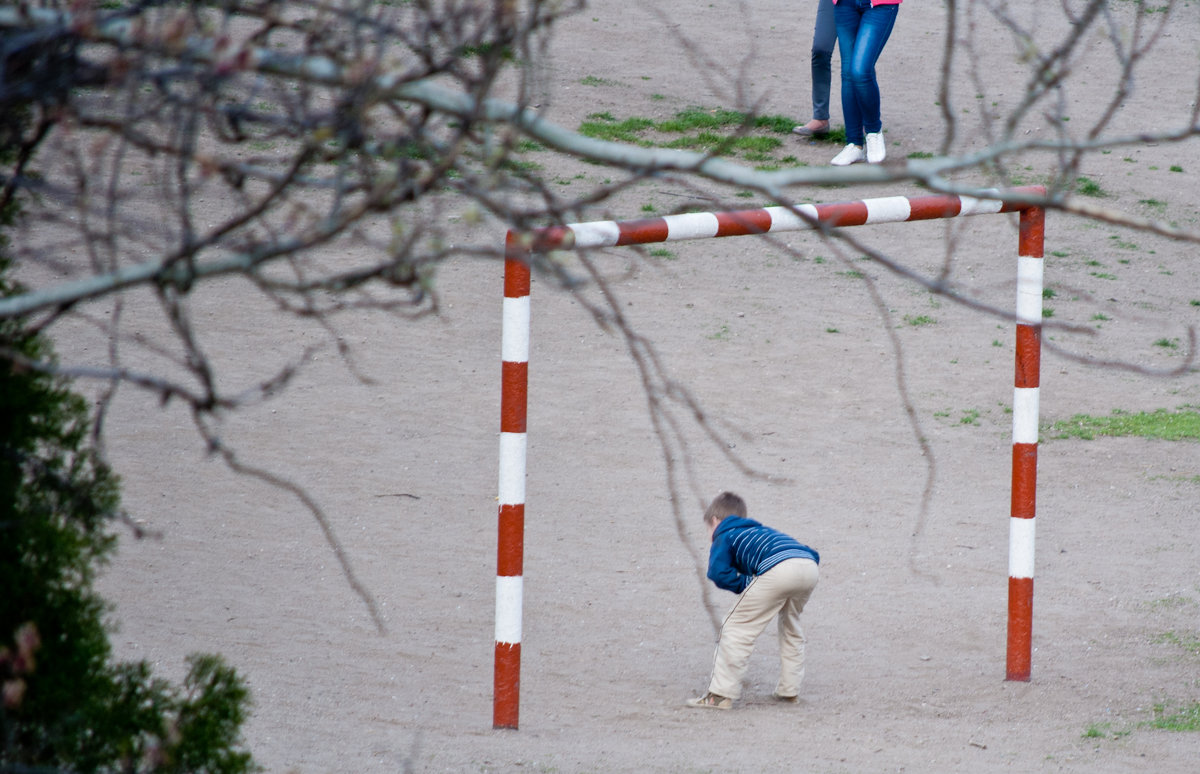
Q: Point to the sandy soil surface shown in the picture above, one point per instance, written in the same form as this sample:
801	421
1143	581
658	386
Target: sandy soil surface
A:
796	364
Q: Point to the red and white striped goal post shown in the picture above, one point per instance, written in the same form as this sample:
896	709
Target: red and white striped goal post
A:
519	248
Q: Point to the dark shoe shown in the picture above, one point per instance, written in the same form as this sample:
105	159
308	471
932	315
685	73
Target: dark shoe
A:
813	128
785	699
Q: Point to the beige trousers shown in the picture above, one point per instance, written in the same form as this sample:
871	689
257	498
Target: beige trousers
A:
782	590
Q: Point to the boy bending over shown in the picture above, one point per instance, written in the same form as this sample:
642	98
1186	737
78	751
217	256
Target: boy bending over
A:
773	574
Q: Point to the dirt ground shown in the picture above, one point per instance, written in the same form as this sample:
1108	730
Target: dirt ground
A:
792	360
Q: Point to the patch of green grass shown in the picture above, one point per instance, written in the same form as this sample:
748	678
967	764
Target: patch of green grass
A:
521	165
699	118
1048	293
920	155
969	416
1176	168
918	320
1185	718
1105	731
723	333
696	118
662	252
592	80
1166	343
603	126
1172	601
1178	479
757	144
1085	186
719	131
836	136
1183	424
404	150
703	140
1189	642
486	49
722	144
776	123
710	130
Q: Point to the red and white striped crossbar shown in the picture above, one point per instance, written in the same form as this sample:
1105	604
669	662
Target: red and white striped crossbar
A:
519	246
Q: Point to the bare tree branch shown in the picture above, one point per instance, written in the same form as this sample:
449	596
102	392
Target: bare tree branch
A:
158	147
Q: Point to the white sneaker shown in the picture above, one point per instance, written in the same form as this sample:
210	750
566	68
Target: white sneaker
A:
876	148
849	155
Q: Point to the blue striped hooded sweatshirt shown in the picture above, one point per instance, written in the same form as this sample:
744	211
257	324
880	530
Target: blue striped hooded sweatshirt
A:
743	548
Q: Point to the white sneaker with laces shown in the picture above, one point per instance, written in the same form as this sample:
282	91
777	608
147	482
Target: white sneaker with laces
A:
849	155
876	148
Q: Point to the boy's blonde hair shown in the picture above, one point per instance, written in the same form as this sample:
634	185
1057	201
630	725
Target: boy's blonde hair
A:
723	505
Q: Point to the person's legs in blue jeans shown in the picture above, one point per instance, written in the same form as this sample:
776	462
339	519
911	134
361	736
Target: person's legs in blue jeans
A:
873	34
824	39
847	15
862	33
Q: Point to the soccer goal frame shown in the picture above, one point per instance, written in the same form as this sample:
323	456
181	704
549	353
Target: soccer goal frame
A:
518	252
